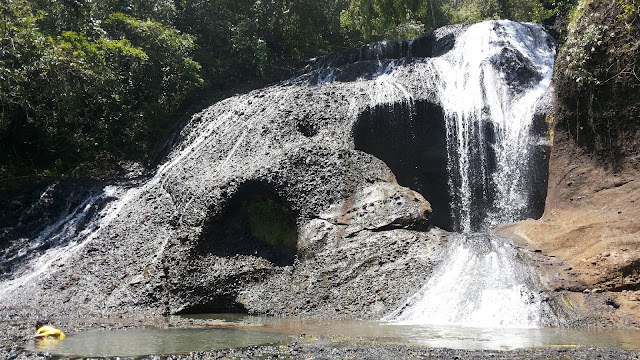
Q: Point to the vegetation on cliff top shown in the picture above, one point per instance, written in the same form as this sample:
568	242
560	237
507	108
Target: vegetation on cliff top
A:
87	85
598	78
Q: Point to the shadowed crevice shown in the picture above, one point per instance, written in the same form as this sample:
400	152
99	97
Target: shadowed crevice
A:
411	139
255	221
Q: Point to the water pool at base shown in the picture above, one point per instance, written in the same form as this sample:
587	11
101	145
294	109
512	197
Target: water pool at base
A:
237	331
151	341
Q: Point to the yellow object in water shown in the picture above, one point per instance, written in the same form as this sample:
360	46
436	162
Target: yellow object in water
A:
48	331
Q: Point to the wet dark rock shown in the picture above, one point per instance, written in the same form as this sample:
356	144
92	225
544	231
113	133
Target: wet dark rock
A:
30	209
518	71
365	61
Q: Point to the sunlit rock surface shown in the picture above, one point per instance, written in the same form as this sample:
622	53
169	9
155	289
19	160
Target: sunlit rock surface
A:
164	244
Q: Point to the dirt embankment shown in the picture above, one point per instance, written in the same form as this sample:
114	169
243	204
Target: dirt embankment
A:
588	241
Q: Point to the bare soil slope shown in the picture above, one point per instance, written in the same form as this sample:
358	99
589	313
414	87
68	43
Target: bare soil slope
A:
587	244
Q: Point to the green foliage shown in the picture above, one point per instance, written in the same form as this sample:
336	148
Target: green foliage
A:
228	44
65	15
629	13
82	79
551	123
576	12
21	45
471	11
83	94
378	19
272	223
597	71
72	96
529	10
170	74
162	11
579	50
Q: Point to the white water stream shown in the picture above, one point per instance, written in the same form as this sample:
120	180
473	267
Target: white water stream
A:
484	115
484	281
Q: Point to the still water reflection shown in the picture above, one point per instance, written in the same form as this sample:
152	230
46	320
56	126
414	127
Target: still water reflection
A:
243	331
456	337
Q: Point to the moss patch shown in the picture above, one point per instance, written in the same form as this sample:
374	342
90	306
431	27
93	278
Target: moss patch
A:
272	222
254	222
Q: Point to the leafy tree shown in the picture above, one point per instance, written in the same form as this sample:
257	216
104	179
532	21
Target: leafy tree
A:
65	15
21	45
162	11
87	95
70	96
377	19
170	73
300	27
228	44
470	11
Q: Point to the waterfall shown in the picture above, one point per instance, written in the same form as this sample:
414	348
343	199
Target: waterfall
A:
483	280
141	243
489	119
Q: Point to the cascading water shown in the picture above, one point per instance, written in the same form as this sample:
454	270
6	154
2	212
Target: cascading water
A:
146	245
484	281
489	120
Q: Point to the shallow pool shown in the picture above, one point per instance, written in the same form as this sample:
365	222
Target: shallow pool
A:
438	336
234	331
149	341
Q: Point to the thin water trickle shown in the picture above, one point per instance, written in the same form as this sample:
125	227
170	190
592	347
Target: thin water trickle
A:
63	238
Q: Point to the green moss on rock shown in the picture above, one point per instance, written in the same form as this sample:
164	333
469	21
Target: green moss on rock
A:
272	222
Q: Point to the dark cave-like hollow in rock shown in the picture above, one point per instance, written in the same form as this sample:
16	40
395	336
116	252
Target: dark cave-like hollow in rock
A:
411	139
224	303
255	221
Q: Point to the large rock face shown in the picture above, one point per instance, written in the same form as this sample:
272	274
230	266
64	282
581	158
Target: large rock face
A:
211	229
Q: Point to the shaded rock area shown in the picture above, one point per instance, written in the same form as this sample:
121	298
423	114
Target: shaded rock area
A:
417	153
